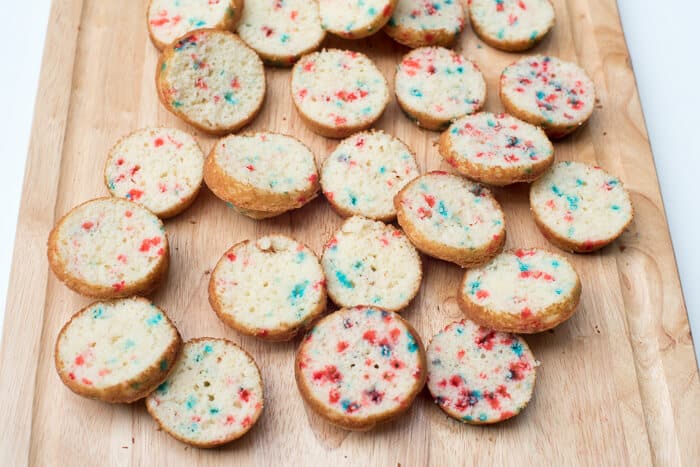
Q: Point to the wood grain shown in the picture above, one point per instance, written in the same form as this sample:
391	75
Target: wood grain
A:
618	383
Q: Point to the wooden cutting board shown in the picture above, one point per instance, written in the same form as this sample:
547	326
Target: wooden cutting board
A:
618	383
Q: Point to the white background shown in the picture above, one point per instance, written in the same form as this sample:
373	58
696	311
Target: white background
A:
665	59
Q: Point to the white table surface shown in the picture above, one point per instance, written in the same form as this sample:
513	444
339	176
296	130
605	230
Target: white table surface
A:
659	39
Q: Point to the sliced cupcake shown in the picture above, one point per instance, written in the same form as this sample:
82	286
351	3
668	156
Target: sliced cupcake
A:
270	288
435	86
281	31
159	168
423	23
169	19
116	351
450	218
523	291
580	207
263	174
480	376
364	173
497	149
211	80
352	19
338	92
213	396
548	92
109	248
369	262
511	25
360	366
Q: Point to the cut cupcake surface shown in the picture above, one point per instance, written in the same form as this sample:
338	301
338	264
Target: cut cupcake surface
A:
266	172
523	291
212	80
480	376
547	91
116	351
370	262
281	31
512	25
497	149
170	19
159	168
354	19
435	85
109	247
419	23
364	173
360	366
580	207
451	218
338	92
214	394
268	288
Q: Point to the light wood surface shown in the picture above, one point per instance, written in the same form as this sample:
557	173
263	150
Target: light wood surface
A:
618	384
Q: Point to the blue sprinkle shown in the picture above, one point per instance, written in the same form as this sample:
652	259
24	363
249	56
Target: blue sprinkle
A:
416	93
163	388
540	95
298	292
229	98
580	182
522	266
558	291
343	279
573	202
163	365
208	348
376	299
129	344
382	169
517	348
555	263
467	418
460	330
372	11
213	411
386	351
412	345
615	207
191	401
482	417
155	319
474	286
284	37
301	256
557	191
442	210
98	313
